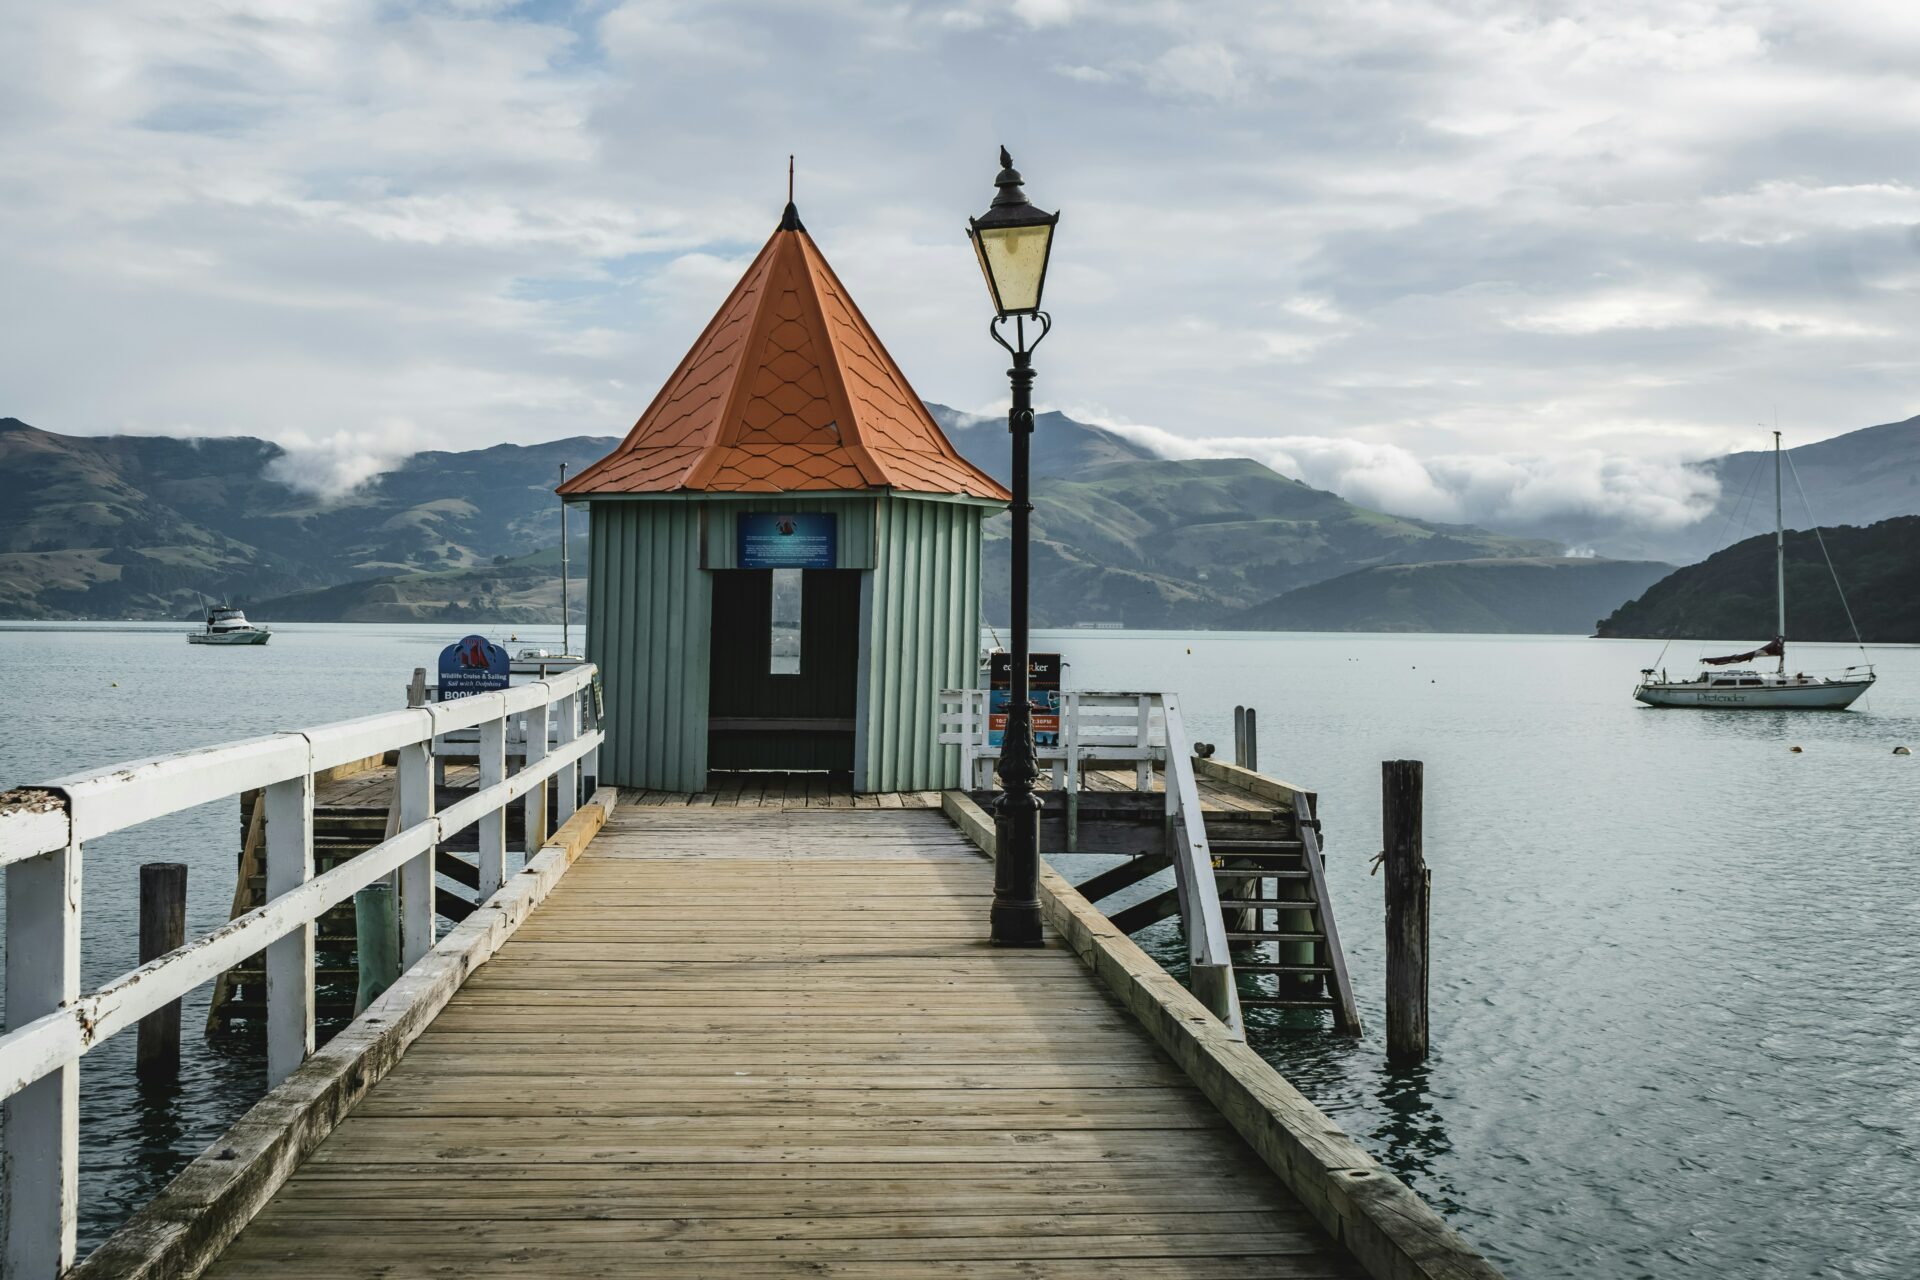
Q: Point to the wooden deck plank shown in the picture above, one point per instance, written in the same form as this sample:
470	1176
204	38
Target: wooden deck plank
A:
768	1037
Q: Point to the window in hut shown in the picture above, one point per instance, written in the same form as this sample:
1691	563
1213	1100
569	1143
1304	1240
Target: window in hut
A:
784	652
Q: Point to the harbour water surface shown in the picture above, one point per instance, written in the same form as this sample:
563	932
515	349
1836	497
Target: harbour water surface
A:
1675	963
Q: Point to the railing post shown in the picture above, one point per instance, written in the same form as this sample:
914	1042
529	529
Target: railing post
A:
42	1121
1143	772
289	810
493	824
414	777
535	817
568	788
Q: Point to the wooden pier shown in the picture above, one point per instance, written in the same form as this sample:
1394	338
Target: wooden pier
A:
756	1030
775	1041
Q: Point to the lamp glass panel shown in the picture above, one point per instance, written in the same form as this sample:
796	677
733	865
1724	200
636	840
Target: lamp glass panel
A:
1016	259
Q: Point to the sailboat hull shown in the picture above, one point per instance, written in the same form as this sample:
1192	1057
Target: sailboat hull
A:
1824	695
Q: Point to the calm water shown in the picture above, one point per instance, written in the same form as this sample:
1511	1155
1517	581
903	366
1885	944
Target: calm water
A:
1675	964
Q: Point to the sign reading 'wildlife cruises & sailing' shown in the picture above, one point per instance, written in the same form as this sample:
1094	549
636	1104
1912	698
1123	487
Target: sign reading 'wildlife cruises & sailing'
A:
474	665
788	540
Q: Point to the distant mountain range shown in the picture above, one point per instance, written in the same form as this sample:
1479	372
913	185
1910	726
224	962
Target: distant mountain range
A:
142	527
1123	535
1541	595
1730	595
1857	478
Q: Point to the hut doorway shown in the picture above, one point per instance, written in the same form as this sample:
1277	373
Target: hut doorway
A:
785	669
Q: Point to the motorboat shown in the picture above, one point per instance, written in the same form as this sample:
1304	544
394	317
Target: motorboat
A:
227	625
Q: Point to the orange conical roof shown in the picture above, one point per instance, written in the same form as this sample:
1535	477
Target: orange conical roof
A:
787	389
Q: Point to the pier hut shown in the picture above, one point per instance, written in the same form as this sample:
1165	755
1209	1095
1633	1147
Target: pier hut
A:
785	551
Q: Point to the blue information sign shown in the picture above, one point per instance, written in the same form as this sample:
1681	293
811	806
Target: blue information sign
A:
474	665
788	540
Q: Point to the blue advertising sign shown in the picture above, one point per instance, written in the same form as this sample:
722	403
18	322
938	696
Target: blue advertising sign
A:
788	540
474	665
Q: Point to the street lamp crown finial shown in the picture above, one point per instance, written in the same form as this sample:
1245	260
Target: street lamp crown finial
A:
1008	181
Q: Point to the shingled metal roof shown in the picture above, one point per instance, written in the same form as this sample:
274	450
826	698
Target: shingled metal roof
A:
787	389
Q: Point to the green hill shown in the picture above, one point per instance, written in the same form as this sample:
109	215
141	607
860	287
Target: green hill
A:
523	589
1537	596
142	526
1162	543
1730	595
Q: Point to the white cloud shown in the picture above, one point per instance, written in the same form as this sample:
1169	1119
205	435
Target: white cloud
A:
334	465
1502	230
1663	494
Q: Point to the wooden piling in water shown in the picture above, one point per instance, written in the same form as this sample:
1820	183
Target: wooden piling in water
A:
376	931
1253	740
1409	892
163	926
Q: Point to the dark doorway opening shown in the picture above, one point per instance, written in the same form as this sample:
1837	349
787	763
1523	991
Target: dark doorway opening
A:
763	714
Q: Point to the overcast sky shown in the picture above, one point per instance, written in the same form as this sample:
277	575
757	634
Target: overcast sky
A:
1460	259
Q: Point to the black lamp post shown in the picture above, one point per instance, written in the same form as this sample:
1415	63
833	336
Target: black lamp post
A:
1013	240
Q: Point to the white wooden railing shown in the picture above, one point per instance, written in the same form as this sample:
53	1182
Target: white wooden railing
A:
1137	730
51	1024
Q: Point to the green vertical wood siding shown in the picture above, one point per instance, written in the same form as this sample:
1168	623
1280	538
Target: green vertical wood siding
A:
649	627
923	636
649	612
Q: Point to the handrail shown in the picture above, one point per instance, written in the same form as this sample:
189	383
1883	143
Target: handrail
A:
52	1024
1138	728
1210	964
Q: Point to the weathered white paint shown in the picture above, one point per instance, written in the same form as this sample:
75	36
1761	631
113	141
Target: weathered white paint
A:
492	856
140	790
1205	927
1095	728
51	1025
40	1164
289	815
31	825
413	883
534	735
567	798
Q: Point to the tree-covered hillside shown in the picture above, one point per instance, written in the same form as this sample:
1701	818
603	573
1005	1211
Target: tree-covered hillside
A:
1730	595
1540	596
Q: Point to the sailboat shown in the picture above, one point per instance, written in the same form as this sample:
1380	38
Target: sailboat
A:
1750	689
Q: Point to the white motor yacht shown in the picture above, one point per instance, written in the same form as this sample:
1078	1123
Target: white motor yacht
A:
228	625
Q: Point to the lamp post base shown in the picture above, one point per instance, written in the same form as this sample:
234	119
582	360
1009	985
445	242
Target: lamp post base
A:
1014	918
1016	925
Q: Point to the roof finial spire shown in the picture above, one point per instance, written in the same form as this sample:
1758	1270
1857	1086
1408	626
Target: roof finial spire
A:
790	220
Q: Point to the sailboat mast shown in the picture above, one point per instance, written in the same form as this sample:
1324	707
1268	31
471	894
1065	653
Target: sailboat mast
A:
1779	559
567	634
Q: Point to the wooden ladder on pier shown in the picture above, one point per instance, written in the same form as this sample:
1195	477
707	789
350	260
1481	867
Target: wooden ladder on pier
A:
1271	877
1274	895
